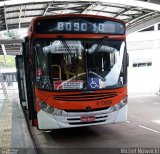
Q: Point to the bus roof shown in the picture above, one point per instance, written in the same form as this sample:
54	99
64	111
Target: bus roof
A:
76	15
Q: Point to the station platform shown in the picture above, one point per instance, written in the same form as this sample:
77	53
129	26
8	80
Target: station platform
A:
14	134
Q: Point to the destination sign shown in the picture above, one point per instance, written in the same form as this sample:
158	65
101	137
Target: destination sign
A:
79	25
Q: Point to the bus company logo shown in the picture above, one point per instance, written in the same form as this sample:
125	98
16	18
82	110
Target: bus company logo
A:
88	108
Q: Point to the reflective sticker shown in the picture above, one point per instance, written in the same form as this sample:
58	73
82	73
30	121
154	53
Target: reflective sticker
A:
78	84
93	83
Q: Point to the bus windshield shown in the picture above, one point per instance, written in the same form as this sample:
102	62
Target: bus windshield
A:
83	64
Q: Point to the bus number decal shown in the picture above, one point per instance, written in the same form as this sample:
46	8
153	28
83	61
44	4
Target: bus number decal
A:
60	26
83	27
101	27
68	26
80	27
104	103
76	26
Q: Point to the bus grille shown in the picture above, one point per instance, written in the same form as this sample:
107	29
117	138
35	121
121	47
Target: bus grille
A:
77	121
84	110
85	97
81	123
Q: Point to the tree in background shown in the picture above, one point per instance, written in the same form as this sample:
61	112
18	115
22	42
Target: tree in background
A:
10	34
10	60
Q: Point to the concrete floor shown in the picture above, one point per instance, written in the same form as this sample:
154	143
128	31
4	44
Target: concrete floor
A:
142	130
14	135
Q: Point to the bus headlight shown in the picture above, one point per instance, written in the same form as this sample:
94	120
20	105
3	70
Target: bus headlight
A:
119	105
50	110
45	107
59	112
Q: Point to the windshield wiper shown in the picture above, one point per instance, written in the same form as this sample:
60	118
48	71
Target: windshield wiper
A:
99	46
65	45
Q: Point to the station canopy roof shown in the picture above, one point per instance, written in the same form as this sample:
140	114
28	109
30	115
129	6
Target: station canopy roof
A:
16	14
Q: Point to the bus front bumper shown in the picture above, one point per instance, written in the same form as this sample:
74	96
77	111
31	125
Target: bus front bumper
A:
48	121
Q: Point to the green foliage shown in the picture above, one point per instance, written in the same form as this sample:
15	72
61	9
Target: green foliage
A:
11	34
10	60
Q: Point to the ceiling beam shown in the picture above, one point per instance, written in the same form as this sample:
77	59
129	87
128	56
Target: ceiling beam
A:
28	16
140	21
90	7
141	4
58	9
46	9
11	41
122	12
65	8
99	11
3	49
140	17
12	51
20	14
5	18
104	11
18	3
112	5
143	25
25	10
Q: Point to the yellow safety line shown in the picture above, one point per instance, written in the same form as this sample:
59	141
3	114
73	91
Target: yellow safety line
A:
5	127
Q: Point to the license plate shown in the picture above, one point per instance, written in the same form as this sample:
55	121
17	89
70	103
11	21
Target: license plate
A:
88	119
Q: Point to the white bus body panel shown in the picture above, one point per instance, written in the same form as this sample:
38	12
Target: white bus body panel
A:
49	121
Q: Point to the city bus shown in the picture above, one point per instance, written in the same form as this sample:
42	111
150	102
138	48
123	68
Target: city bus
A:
75	70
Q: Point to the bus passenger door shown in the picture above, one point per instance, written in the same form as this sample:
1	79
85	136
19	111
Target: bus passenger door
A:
29	81
21	81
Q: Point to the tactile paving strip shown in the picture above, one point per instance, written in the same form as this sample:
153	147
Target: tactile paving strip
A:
5	126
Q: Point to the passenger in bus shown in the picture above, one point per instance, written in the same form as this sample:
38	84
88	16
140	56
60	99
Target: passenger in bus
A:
80	66
63	68
73	66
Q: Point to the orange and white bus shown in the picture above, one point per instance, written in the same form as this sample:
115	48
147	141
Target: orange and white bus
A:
76	71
